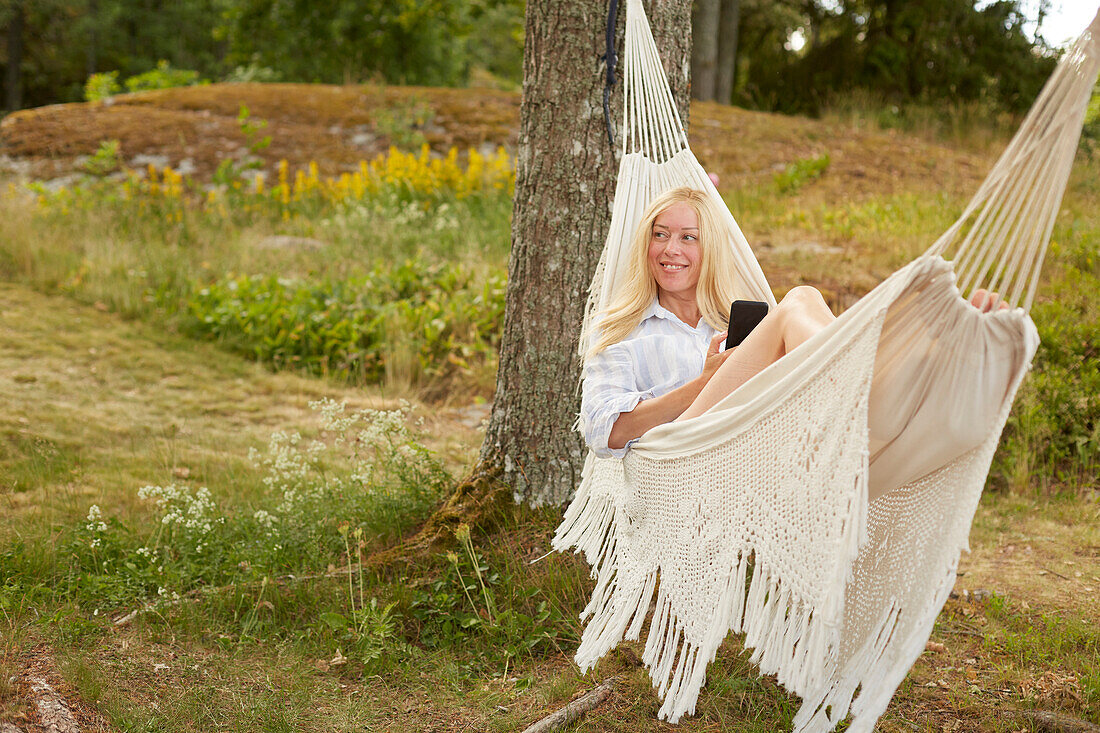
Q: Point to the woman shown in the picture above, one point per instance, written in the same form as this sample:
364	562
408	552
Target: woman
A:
657	356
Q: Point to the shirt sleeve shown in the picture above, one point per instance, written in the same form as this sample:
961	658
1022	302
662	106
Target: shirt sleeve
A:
609	389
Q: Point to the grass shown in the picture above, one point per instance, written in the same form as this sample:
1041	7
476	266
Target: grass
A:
277	628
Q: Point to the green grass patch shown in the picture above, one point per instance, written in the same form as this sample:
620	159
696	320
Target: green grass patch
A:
801	172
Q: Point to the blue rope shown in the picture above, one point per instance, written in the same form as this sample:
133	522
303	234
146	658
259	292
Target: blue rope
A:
610	58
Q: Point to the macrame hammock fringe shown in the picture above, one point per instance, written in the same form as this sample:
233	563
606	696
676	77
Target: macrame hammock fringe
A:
821	509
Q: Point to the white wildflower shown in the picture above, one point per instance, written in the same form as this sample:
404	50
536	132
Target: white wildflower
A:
95	521
192	512
264	518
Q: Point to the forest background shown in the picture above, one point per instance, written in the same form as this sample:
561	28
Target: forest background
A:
785	55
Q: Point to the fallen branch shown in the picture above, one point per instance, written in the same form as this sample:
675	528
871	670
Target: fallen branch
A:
53	712
575	710
1056	722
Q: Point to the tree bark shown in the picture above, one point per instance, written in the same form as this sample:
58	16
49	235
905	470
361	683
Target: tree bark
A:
565	180
705	20
727	50
13	77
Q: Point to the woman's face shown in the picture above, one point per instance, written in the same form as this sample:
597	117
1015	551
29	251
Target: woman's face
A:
674	252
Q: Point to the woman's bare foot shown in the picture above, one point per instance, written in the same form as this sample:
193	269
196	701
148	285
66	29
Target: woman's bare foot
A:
984	300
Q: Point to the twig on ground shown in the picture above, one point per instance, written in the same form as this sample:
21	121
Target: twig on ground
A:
575	710
963	629
1054	573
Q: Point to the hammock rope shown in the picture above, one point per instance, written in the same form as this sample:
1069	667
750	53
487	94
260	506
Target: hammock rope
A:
1000	240
846	474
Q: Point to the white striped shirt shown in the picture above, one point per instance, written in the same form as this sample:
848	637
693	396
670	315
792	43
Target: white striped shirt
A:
658	356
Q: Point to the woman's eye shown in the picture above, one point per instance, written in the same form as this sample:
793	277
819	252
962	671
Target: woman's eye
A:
690	237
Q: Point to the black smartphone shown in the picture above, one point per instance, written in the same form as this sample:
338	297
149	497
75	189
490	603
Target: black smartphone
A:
744	315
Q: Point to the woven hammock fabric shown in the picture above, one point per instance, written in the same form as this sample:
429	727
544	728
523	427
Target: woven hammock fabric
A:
822	507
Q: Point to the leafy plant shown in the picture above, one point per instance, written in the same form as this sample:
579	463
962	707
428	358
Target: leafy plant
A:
1052	437
230	170
105	159
252	73
369	630
101	86
368	467
474	607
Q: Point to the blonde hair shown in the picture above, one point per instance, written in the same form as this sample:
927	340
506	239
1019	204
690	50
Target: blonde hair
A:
717	275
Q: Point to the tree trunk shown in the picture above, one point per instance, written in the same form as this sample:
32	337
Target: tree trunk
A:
704	52
565	180
91	59
13	78
727	50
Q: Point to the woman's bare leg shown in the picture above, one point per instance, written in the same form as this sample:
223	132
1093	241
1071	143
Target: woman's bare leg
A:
801	314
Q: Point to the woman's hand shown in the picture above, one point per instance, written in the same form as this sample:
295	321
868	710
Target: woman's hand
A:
715	358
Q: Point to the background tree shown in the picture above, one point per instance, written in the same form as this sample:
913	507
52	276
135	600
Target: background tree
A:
565	179
728	30
14	17
61	42
714	50
929	52
340	41
705	17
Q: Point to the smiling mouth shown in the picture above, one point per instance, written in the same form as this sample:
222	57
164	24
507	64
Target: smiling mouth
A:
673	268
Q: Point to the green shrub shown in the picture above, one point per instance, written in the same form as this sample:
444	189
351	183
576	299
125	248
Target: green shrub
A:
162	77
473	607
412	323
101	86
1052	438
105	85
252	73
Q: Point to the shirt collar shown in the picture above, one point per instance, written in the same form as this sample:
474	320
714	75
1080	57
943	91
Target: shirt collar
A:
656	310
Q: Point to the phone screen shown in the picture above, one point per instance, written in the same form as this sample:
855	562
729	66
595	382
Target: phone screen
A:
744	317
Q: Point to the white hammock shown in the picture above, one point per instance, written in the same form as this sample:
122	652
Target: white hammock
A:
845	475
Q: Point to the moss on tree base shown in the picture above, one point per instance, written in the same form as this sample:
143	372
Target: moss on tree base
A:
479	500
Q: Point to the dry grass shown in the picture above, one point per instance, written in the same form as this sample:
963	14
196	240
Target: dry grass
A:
98	406
332	125
318	122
